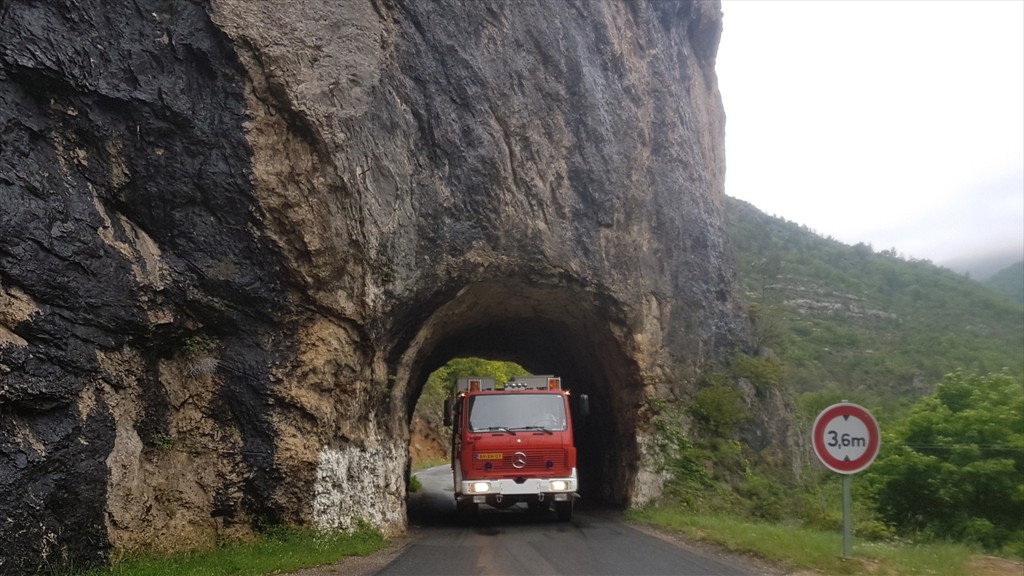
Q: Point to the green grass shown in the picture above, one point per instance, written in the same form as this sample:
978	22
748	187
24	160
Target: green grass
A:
282	552
428	463
803	548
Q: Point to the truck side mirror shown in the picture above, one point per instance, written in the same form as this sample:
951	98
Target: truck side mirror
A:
447	418
584	408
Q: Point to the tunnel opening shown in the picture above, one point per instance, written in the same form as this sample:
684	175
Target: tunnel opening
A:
430	440
559	330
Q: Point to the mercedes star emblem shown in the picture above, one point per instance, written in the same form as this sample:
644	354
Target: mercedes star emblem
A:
518	460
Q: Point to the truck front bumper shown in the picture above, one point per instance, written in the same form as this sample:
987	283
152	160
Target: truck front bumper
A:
562	488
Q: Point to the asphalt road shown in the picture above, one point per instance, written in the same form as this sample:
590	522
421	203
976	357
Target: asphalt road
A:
512	542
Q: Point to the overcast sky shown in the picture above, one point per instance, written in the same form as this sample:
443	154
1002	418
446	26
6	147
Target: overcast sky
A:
899	124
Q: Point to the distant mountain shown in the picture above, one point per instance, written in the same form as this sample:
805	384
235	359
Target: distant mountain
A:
858	324
1009	282
981	267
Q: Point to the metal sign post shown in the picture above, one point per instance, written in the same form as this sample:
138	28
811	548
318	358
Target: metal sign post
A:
847	518
846	439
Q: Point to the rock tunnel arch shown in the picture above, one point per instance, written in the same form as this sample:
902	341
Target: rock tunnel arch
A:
548	329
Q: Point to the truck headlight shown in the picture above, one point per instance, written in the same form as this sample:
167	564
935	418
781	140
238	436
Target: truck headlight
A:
558	485
477	487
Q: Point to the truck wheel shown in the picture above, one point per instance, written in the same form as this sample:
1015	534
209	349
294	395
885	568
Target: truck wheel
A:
467	510
504	504
564	510
538	507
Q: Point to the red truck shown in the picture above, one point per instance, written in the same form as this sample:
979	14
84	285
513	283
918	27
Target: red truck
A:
513	442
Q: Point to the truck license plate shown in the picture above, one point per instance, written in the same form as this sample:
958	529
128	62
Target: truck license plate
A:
489	456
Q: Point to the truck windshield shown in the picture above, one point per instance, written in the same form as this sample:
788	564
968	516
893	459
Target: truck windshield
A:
507	412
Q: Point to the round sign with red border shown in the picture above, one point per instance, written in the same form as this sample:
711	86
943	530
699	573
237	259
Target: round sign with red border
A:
845	438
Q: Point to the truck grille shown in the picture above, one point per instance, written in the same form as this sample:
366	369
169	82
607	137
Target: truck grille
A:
537	461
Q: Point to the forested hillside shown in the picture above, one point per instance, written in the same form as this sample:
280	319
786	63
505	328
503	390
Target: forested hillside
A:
1009	282
868	326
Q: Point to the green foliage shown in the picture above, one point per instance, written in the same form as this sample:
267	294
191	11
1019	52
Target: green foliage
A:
441	382
763	373
418	465
276	552
711	472
718	409
766	498
954	468
200	354
766	330
198	346
708	468
862	321
808	549
165	441
1009	282
819	506
686	464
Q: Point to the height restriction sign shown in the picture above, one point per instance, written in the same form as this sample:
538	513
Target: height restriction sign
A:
845	438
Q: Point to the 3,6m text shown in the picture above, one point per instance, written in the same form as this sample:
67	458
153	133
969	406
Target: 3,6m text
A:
845	440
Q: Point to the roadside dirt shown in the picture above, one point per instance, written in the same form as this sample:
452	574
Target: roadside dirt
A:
994	566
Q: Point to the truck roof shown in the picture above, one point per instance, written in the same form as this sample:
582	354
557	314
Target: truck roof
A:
482	383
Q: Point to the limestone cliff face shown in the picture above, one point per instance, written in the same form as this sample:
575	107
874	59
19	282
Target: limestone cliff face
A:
235	237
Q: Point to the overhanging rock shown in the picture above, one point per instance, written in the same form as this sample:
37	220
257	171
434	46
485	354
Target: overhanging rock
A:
235	238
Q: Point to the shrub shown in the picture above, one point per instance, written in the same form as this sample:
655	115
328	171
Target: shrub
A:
763	373
718	409
954	468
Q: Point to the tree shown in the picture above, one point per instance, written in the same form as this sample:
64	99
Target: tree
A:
954	468
441	382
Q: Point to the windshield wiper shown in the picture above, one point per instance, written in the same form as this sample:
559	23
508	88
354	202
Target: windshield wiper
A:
495	429
534	428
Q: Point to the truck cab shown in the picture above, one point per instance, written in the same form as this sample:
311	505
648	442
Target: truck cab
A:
513	442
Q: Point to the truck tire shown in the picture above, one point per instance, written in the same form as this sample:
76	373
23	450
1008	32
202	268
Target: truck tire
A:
538	507
466	510
564	510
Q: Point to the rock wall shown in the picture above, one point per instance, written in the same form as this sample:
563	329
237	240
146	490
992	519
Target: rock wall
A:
236	236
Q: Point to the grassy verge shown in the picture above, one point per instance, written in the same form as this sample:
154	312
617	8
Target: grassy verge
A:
428	463
795	547
278	553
